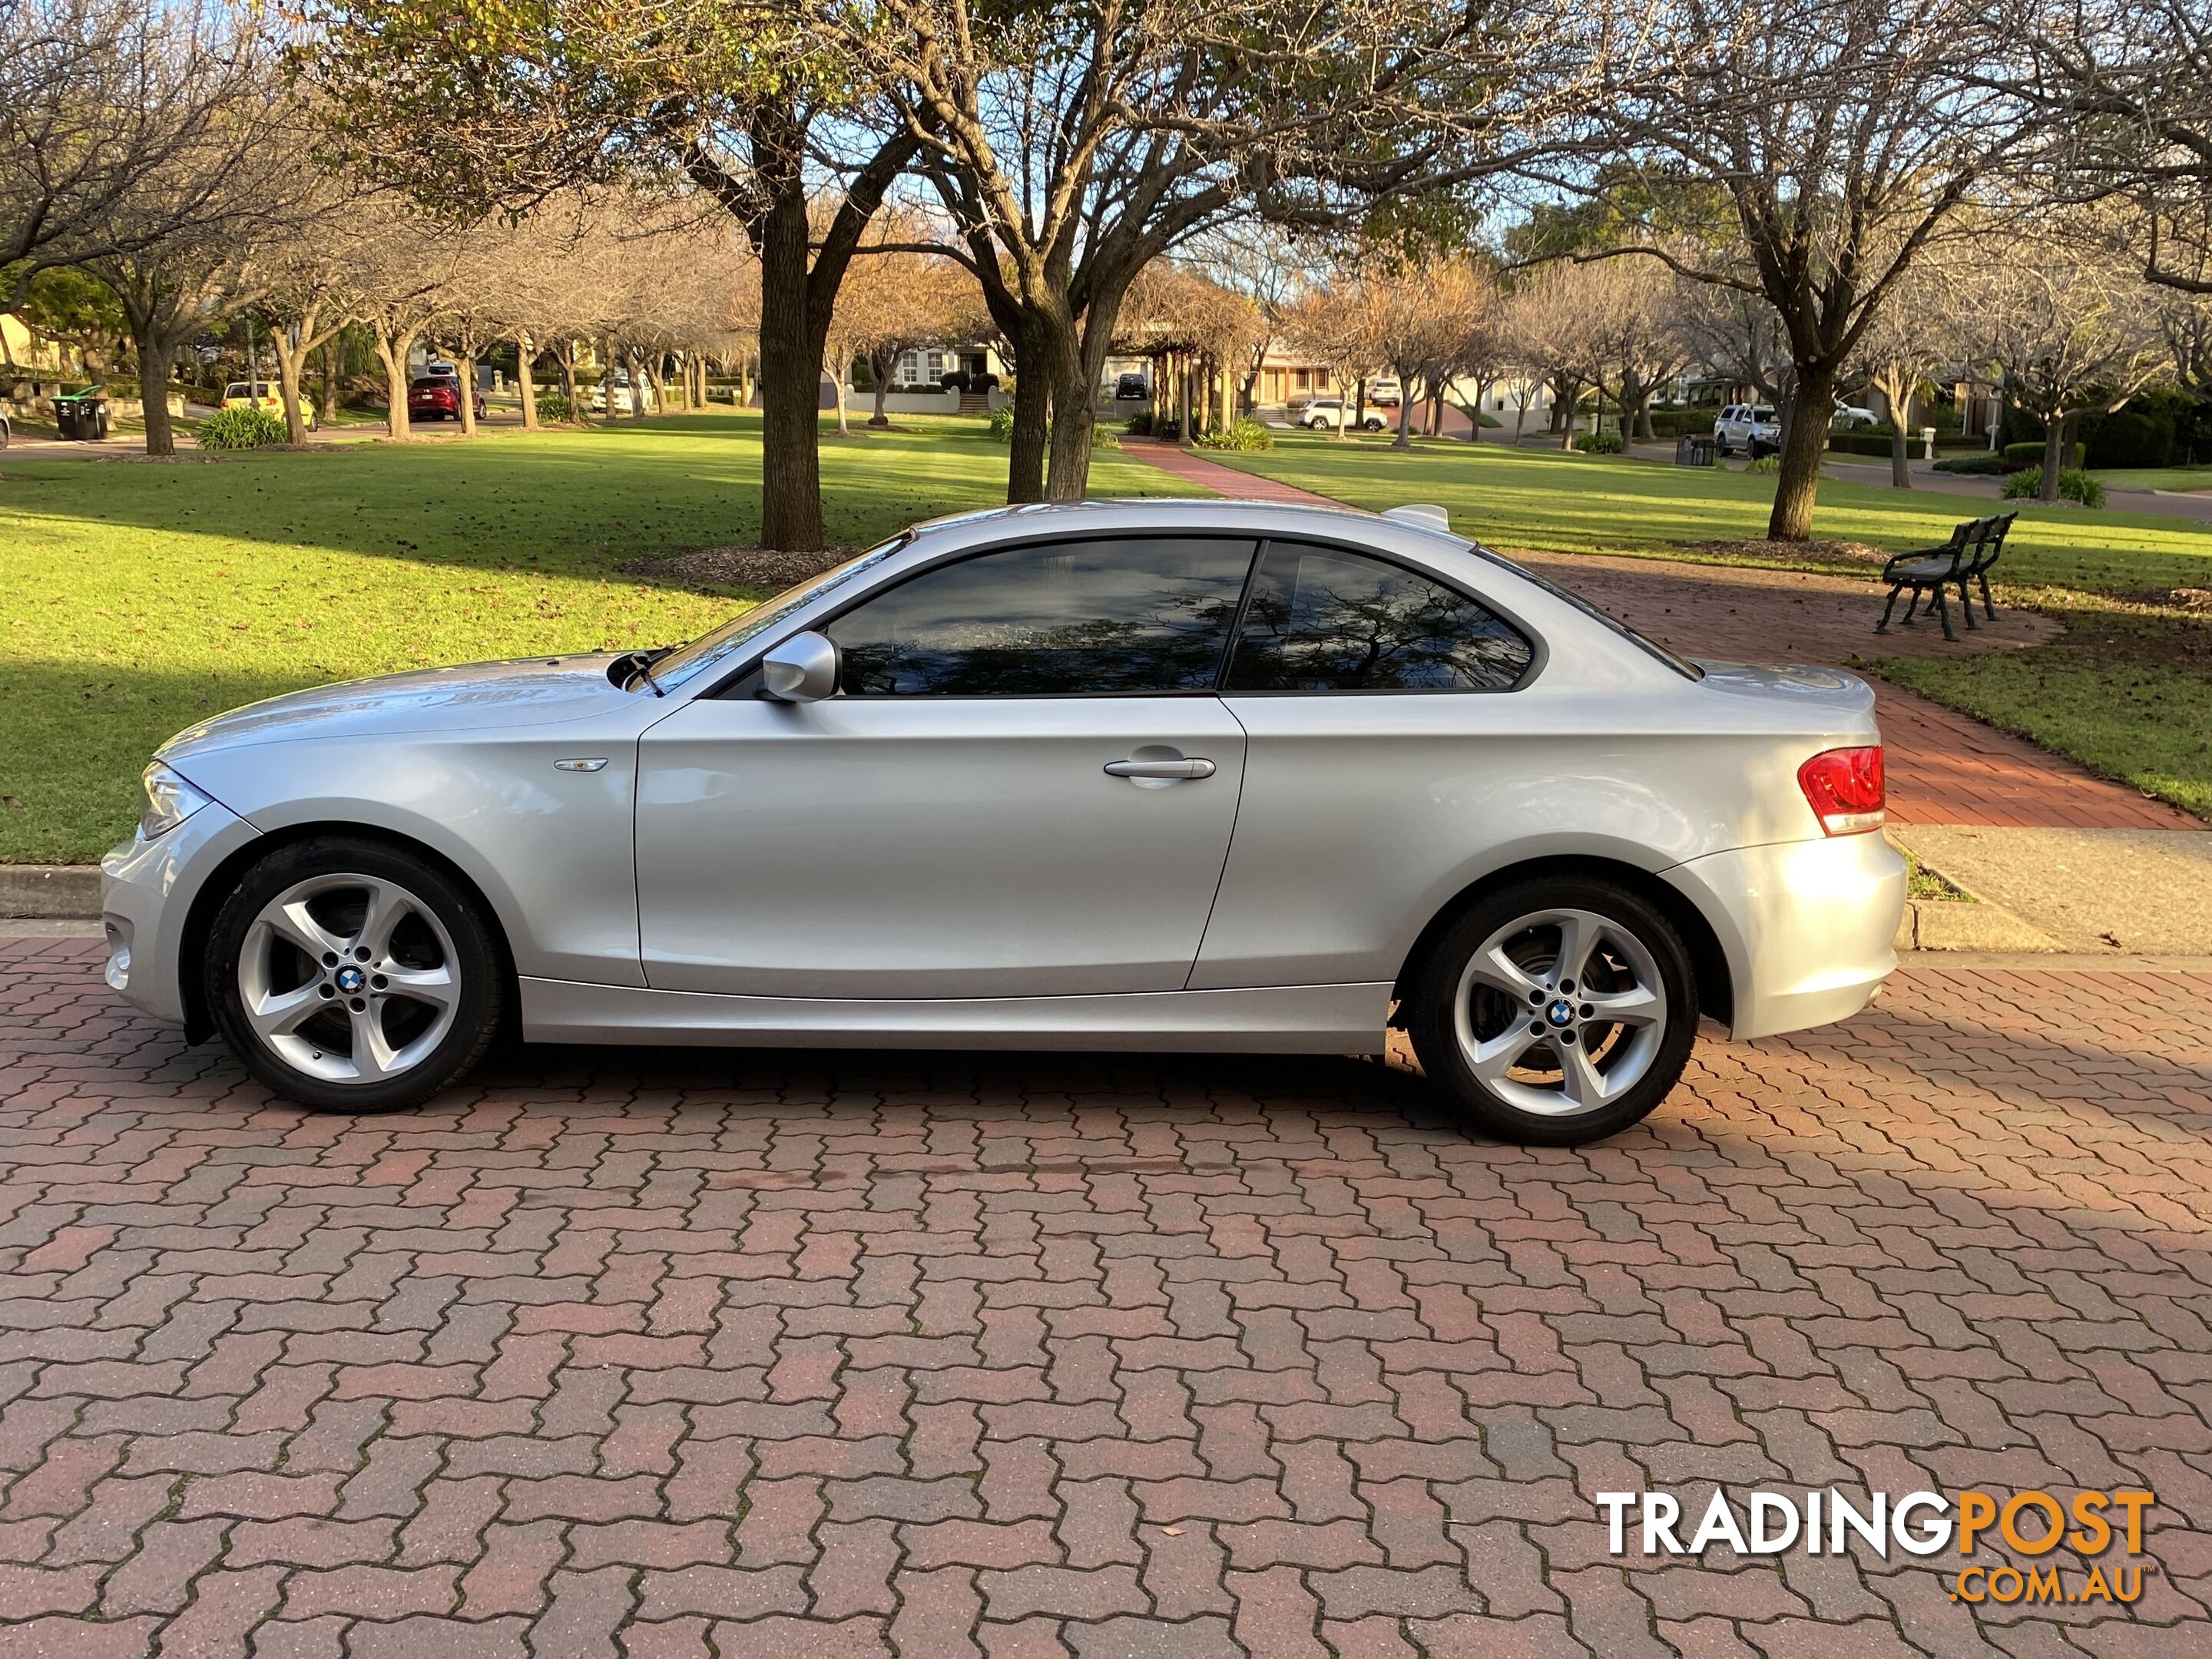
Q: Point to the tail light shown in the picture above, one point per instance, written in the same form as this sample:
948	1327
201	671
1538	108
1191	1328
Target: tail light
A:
1843	787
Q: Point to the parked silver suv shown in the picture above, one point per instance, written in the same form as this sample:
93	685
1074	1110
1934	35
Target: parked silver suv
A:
1753	429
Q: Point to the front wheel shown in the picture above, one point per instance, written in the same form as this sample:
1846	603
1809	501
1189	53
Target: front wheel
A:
351	977
1555	1012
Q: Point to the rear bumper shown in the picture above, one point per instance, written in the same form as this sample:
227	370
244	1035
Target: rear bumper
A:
1806	925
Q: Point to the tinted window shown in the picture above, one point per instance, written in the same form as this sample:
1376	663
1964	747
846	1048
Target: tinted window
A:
1322	620
1102	618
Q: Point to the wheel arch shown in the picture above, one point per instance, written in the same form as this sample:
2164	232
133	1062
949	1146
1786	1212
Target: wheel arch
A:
1708	960
223	881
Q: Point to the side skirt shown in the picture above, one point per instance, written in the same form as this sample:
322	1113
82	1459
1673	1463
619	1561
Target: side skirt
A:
1320	1019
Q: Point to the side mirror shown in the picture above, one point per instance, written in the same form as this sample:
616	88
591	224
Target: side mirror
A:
802	669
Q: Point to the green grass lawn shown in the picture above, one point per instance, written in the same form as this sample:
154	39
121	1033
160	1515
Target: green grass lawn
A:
1553	502
2127	692
137	596
2156	478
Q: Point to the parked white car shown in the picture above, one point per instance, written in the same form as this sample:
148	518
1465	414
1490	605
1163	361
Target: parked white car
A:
1753	429
1385	393
1329	414
1141	774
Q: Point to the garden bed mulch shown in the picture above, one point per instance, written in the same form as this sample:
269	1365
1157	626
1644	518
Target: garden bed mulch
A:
758	568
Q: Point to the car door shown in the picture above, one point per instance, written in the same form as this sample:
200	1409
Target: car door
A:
1382	725
1025	786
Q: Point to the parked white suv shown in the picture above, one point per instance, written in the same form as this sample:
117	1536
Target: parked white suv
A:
1753	429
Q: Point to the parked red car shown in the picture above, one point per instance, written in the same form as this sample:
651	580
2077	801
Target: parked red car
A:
437	399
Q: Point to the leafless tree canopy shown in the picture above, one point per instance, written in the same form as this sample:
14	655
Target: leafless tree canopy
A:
116	128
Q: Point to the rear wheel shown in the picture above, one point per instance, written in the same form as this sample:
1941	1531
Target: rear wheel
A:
350	977
1556	1013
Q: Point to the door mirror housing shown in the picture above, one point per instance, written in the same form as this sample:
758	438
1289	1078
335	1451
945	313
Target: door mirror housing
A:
802	669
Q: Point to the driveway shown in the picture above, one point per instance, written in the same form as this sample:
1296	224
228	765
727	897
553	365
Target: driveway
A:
802	1355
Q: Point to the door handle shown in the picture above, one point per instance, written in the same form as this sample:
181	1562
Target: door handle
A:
1193	767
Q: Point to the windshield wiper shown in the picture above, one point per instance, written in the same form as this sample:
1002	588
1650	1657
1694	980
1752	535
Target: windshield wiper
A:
643	660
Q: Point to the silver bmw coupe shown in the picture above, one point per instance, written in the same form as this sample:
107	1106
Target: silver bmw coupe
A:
1139	775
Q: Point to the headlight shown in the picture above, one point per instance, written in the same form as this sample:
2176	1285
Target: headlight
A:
169	801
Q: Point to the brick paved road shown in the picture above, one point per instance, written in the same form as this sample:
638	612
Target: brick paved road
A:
804	1355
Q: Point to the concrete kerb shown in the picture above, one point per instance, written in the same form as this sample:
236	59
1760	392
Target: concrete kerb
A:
62	890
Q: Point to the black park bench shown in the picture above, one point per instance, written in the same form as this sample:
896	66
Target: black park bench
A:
1964	560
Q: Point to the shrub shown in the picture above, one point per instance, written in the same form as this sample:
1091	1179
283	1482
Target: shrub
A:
242	428
1002	425
1139	425
1977	466
553	406
983	383
1604	443
1765	463
957	380
1243	435
1170	430
2074	485
2031	454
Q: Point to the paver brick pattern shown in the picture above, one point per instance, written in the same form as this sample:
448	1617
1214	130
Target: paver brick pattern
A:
611	1353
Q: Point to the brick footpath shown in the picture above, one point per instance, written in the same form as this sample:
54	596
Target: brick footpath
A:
802	1354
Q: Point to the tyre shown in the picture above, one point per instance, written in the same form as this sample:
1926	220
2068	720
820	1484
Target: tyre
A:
349	977
1555	1012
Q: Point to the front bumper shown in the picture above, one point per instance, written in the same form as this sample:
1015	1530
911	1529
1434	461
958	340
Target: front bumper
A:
1806	925
146	892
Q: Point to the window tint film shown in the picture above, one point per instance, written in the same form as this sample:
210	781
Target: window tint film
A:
1322	620
1100	617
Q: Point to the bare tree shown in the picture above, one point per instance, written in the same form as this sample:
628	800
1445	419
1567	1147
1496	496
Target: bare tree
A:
1331	321
2130	83
2071	329
184	245
110	111
1848	134
1556	335
892	300
1908	343
1074	148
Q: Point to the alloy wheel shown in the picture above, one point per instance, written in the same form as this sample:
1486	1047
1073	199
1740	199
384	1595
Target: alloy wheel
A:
349	978
1560	1012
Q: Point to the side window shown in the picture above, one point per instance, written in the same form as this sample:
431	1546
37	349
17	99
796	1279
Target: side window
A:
1322	620
1100	617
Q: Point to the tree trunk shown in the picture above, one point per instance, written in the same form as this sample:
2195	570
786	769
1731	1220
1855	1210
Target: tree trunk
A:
290	361
607	378
844	366
468	391
637	386
1900	474
2054	457
1075	414
1643	430
525	382
879	374
327	398
1798	485
790	388
154	359
565	356
392	349
1405	438
1032	423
